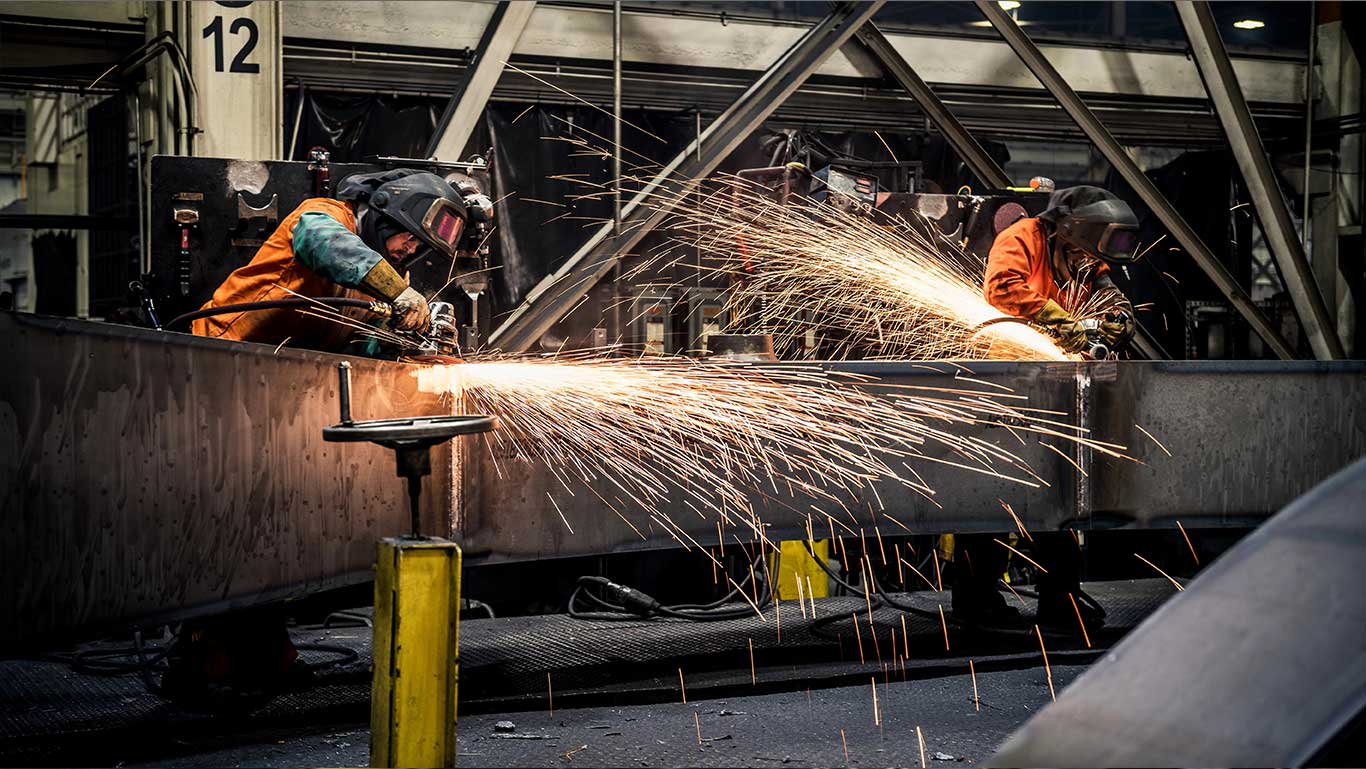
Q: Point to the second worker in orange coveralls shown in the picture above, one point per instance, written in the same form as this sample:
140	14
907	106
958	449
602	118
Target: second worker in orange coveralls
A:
1037	265
1068	247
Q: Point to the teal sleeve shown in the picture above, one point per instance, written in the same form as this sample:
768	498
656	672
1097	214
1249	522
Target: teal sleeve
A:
325	246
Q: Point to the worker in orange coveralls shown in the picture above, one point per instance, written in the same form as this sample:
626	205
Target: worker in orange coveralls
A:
358	245
1033	264
1070	245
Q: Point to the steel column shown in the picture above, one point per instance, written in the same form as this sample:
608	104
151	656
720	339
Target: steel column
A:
467	103
1127	168
555	296
616	118
1207	48
972	154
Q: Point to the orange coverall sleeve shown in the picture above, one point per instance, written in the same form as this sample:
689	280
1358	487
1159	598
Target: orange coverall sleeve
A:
1009	267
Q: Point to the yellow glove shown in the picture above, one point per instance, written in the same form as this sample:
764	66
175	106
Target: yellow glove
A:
1114	330
1071	336
411	312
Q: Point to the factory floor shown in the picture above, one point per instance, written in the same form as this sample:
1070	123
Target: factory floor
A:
614	687
771	730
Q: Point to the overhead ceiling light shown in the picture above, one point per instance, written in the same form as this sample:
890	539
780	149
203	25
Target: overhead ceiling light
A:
1249	24
1008	5
985	23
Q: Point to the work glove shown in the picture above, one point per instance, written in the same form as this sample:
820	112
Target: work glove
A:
1116	327
411	312
1071	336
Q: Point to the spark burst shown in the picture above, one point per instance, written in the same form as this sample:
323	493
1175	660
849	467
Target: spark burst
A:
674	434
881	289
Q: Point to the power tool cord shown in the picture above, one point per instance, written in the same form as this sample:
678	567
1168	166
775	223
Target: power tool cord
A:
272	304
627	604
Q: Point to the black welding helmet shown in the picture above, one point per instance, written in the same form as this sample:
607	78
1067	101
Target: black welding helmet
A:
1095	221
406	200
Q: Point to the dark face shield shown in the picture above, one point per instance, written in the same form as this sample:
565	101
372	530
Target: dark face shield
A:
442	226
1118	244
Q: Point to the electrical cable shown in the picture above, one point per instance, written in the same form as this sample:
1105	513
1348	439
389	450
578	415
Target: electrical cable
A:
272	304
633	605
884	599
152	658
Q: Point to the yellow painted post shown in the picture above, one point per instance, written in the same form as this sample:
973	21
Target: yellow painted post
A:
416	653
797	564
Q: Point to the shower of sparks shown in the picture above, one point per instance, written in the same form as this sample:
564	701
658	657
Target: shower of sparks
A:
1154	440
872	288
976	701
1084	304
1047	670
1037	565
1175	584
673	434
1085	636
1186	536
1018	523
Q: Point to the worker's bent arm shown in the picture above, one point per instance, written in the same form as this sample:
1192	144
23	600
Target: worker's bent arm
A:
325	246
1007	281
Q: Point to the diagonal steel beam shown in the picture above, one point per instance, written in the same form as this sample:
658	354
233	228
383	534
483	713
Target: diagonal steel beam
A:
466	105
1211	59
976	158
555	296
1034	59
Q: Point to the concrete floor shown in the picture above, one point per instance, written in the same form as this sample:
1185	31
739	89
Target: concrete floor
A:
795	728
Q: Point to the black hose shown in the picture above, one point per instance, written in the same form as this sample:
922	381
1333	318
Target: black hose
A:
272	304
636	606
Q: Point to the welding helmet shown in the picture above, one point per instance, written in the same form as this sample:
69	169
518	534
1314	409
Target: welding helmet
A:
406	200
1094	221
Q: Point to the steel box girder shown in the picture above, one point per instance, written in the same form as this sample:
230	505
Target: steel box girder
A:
1247	437
148	476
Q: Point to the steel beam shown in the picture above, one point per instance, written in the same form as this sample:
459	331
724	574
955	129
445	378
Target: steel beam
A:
467	103
555	296
1127	168
1246	438
972	154
154	476
147	477
1211	59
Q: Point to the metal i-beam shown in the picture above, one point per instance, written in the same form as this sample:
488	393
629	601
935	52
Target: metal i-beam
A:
976	158
555	296
1034	59
467	103
1211	59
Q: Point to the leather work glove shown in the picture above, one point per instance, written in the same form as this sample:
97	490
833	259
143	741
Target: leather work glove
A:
1116	327
1071	336
411	312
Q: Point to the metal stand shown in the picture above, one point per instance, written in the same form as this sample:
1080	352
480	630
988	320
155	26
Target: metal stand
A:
410	438
416	627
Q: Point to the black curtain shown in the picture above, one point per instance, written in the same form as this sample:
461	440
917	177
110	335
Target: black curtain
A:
355	126
1203	187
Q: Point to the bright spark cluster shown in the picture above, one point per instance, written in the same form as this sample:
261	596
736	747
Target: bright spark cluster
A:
872	289
721	440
